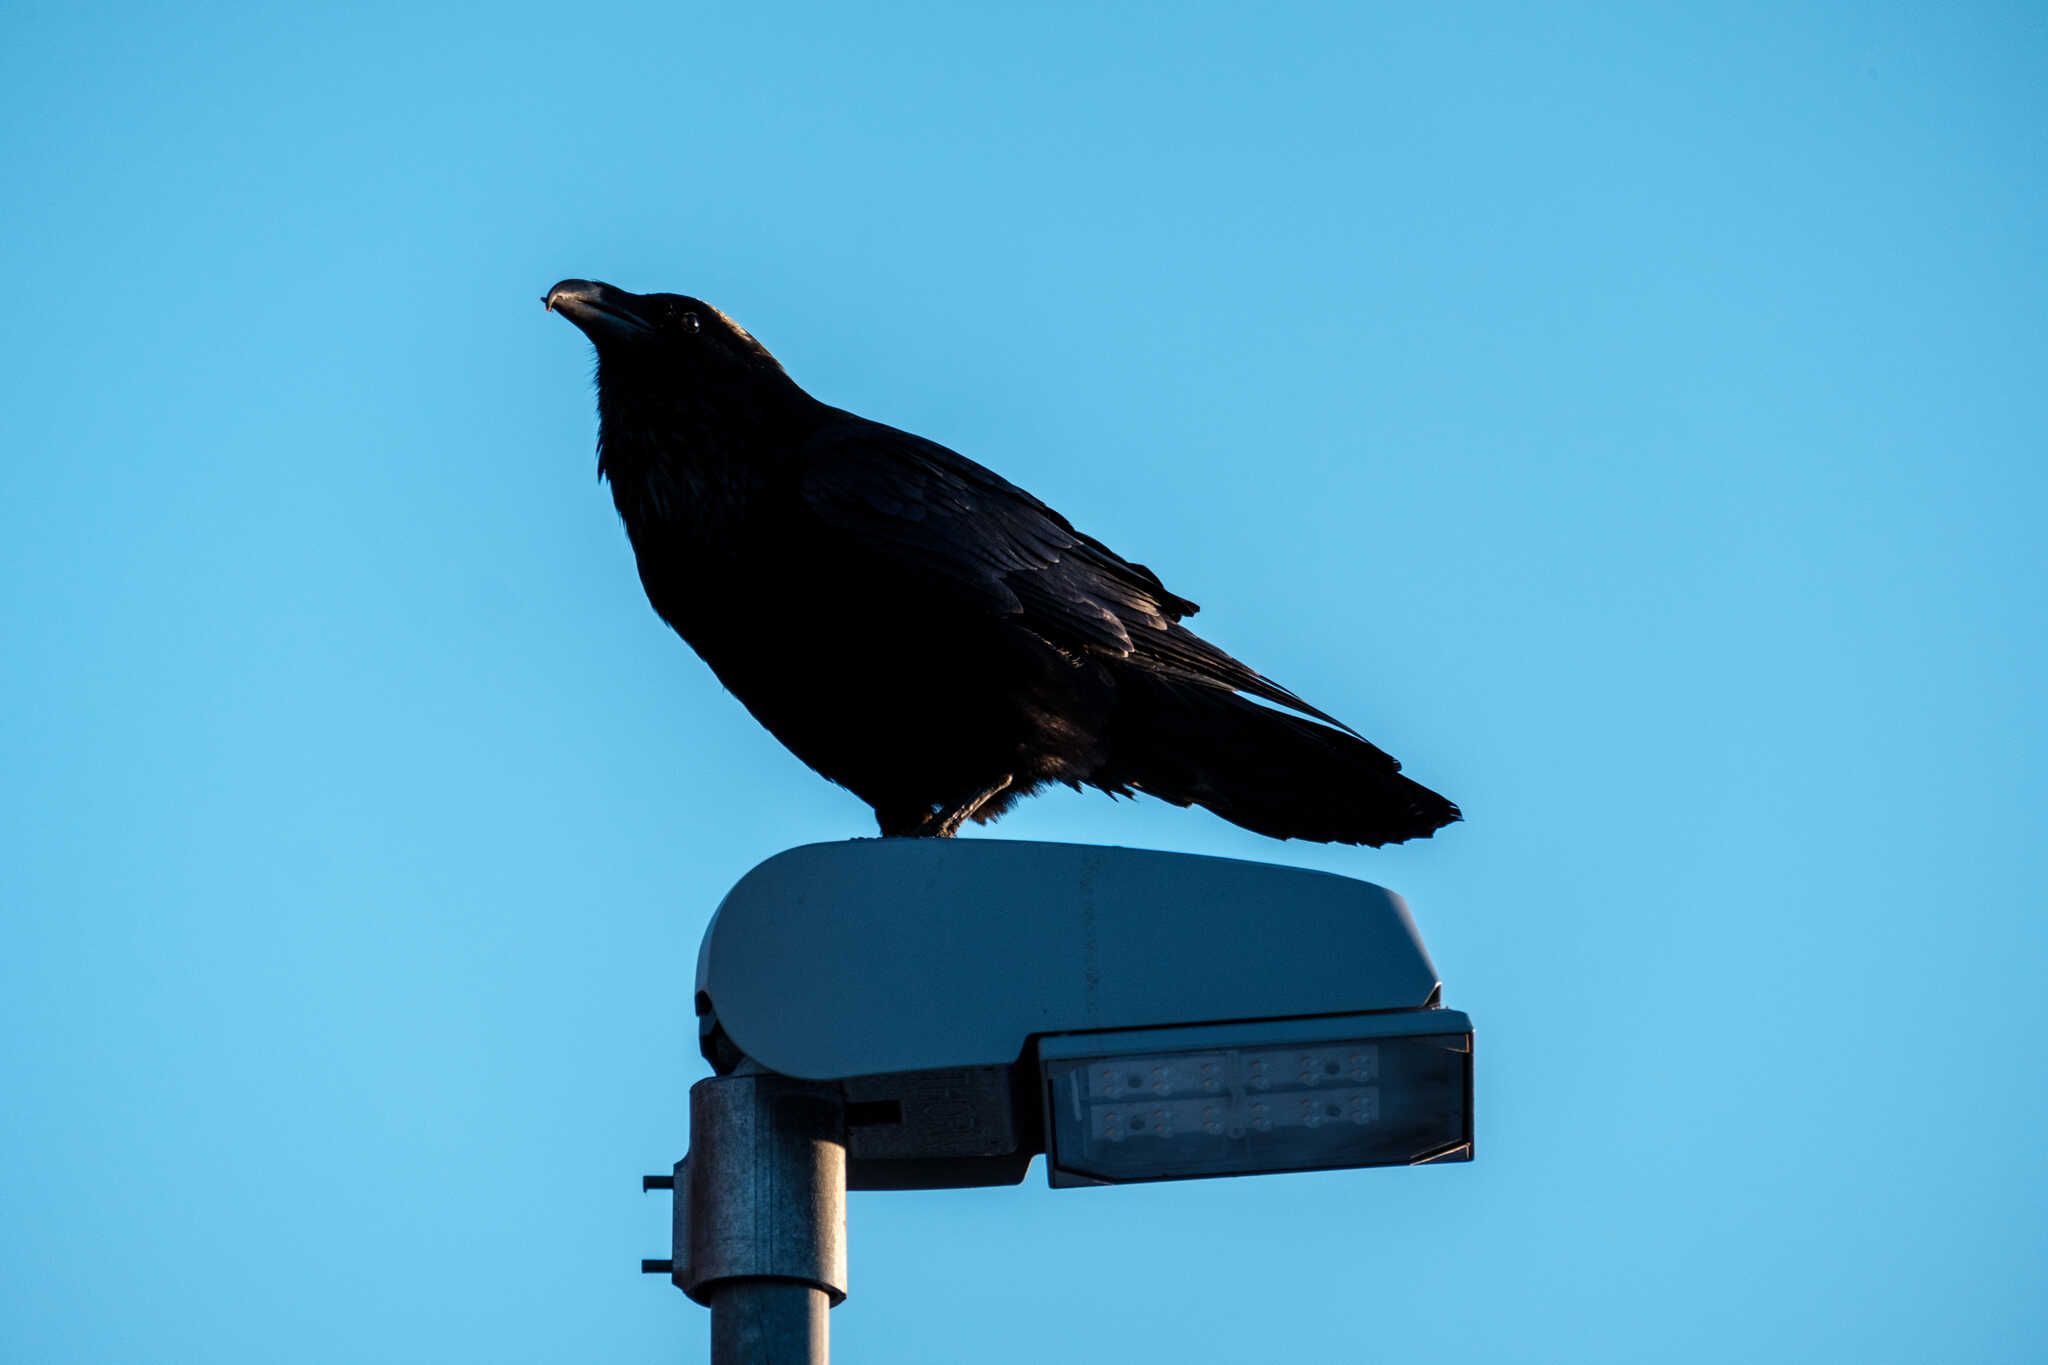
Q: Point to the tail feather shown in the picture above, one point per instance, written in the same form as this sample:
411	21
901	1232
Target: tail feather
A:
1274	773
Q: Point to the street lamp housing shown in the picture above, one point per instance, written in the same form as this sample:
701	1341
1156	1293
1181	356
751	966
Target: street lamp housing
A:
1134	1015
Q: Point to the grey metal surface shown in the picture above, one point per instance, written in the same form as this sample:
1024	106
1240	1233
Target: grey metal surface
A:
936	1130
875	956
762	1195
769	1322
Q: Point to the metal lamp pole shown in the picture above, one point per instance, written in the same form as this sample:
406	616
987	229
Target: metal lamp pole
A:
760	1216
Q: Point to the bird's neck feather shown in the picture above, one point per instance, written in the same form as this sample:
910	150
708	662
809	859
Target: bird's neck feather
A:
690	449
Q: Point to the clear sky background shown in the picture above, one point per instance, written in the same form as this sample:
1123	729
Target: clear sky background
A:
1634	420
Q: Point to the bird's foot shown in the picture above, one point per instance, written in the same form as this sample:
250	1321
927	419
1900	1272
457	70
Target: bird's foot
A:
940	822
950	821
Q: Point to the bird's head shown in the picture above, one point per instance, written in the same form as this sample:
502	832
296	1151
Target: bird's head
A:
669	332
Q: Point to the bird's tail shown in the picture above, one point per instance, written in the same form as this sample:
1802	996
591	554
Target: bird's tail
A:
1278	774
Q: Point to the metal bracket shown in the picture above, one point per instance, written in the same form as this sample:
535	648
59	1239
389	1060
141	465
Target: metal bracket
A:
762	1194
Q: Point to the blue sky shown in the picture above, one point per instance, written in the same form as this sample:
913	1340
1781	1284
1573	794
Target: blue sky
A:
1634	420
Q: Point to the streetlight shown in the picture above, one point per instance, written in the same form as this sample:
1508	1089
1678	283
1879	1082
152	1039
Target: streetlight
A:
926	1014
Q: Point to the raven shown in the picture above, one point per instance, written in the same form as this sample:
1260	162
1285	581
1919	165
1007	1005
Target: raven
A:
923	632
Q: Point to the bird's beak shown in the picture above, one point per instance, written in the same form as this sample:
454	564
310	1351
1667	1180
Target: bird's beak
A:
602	312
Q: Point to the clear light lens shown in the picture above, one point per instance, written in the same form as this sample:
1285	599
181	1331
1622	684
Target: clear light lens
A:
1238	1111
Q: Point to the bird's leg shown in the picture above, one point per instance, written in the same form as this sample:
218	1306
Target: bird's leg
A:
942	821
947	822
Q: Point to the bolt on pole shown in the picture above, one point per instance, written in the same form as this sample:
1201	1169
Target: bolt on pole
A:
760	1216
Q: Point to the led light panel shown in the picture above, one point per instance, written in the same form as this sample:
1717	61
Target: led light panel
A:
1311	1104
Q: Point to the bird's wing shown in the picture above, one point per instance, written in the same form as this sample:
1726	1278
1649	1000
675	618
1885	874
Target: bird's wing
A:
970	534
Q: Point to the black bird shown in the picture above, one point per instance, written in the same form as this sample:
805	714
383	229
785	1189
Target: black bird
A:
921	631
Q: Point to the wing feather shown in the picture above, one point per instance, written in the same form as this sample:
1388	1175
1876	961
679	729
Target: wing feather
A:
970	534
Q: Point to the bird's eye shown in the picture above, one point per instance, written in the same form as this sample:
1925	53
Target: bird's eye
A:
691	322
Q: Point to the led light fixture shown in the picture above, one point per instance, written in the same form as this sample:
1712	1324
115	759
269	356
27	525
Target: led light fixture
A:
1130	1015
917	1014
1255	1098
